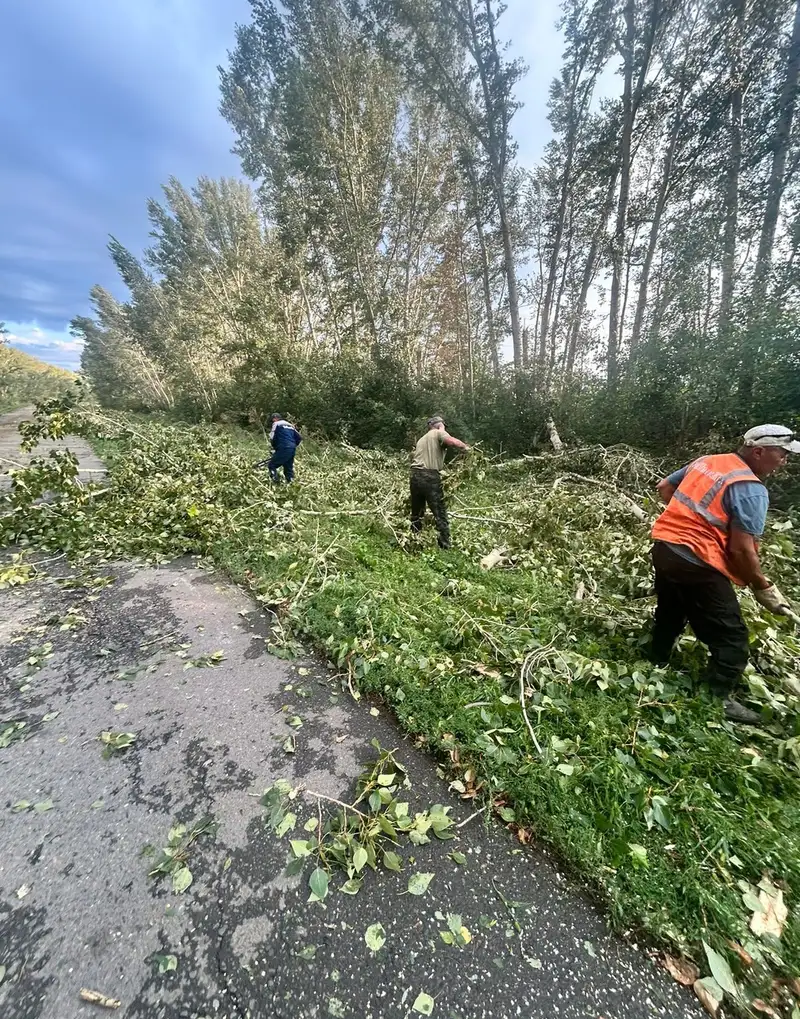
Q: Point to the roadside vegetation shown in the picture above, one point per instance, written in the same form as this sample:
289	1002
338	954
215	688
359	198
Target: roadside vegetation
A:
25	380
524	675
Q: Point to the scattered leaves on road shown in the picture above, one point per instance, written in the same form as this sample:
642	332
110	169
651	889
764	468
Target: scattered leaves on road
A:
456	934
682	970
116	742
211	661
375	937
709	994
418	883
318	883
166	963
14	732
172	859
423	1003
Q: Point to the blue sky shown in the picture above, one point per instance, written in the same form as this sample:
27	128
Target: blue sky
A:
101	101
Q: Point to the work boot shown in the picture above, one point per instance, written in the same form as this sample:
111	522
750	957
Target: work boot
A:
736	712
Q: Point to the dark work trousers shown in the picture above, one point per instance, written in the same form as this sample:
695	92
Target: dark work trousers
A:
426	490
703	597
282	458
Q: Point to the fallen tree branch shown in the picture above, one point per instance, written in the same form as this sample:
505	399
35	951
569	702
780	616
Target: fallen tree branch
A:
522	677
487	520
472	817
637	510
338	803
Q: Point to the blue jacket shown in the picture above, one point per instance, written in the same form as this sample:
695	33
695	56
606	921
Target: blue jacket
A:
284	437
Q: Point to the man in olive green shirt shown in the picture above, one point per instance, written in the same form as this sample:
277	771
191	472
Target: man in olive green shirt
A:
426	479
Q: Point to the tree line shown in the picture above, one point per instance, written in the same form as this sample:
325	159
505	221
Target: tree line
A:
392	255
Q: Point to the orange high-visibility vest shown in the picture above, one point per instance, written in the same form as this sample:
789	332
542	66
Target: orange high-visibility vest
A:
695	515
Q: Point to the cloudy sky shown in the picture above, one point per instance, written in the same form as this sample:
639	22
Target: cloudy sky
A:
101	101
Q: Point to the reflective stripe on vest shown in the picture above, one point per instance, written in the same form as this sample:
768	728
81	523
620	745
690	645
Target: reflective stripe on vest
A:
702	507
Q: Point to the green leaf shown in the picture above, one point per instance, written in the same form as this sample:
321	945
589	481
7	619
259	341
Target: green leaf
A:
181	879
720	970
307	953
336	1008
21	805
294	867
566	769
318	883
286	825
661	812
418	883
423	1004
98	805
457	857
392	861
311	824
638	854
590	949
352	886
301	848
42	806
296	722
360	859
375	937
166	963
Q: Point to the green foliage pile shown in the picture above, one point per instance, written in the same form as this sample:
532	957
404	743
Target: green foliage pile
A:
672	814
25	380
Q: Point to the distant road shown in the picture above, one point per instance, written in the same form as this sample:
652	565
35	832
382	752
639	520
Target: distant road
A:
91	468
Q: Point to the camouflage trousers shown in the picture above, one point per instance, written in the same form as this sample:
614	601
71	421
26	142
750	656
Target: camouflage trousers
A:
426	490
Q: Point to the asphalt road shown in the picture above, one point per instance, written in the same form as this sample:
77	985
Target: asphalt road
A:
91	468
78	909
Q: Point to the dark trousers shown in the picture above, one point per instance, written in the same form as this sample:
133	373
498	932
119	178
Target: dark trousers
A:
426	490
281	458
703	597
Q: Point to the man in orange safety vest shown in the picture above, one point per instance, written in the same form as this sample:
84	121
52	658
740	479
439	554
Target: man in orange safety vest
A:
705	541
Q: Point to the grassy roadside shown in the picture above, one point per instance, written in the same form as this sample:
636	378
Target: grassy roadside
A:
633	777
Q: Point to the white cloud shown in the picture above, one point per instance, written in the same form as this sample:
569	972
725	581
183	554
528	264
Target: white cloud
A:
53	346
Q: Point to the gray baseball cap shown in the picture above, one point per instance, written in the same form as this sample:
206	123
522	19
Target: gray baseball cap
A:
772	435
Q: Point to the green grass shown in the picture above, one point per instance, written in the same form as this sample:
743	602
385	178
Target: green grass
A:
665	810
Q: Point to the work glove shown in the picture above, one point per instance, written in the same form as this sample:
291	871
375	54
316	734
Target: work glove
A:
772	599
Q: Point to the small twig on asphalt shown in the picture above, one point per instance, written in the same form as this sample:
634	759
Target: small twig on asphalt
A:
339	803
472	817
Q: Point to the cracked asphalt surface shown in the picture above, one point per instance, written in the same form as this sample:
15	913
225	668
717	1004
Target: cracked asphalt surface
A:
78	909
209	741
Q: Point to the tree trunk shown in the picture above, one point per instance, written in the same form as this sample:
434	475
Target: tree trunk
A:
618	240
655	229
511	277
496	148
733	171
487	297
589	272
780	149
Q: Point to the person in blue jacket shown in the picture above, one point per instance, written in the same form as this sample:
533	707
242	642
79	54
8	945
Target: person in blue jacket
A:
285	439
